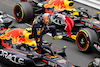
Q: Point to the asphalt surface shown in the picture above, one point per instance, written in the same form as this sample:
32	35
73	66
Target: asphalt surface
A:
73	54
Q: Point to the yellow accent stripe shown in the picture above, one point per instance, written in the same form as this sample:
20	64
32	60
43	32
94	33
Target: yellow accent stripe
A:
73	37
88	41
84	32
22	12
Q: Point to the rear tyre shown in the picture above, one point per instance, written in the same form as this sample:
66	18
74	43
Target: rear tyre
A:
85	39
23	12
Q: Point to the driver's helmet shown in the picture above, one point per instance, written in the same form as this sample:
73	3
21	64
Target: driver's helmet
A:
46	18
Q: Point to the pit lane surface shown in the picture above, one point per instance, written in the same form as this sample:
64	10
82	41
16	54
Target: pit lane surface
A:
73	54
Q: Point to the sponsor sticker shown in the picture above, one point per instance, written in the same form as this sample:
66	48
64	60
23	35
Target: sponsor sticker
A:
11	57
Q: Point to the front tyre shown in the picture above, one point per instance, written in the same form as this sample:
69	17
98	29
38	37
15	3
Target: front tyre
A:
85	39
23	12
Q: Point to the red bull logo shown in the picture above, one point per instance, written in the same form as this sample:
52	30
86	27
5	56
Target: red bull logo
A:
13	35
16	36
59	4
6	44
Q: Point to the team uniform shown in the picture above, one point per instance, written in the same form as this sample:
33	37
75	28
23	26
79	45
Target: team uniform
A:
42	25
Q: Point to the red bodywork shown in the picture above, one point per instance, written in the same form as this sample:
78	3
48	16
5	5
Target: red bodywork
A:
57	5
12	35
16	36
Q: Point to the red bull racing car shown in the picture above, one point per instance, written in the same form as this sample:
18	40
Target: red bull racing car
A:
77	24
26	10
84	30
15	49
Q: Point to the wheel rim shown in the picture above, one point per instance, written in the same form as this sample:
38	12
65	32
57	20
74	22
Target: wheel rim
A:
82	41
17	12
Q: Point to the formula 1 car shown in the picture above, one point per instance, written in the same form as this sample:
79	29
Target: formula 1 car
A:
85	29
25	11
18	49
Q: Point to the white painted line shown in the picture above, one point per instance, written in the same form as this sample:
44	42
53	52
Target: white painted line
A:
49	34
95	1
28	25
91	3
10	16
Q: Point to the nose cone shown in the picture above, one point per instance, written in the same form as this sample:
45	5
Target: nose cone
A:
71	3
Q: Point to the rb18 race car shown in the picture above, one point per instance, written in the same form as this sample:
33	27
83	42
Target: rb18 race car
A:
25	11
15	50
86	27
83	28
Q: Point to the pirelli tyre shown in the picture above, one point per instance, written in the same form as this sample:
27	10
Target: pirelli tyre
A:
23	12
85	39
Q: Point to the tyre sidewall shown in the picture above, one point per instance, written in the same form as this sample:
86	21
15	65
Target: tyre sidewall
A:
86	47
91	37
18	5
27	11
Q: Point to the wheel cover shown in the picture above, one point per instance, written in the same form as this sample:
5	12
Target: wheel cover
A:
82	41
18	13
